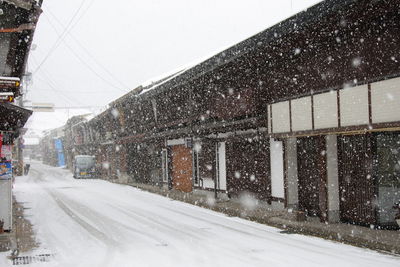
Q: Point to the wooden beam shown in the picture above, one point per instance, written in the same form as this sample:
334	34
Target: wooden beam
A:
22	27
369	105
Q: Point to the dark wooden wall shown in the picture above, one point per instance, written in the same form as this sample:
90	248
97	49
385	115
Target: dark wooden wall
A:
357	189
311	162
144	161
247	158
328	51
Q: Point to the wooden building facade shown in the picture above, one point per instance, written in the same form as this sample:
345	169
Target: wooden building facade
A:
303	115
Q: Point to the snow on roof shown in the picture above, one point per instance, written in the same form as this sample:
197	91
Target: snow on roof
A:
153	85
89	116
166	77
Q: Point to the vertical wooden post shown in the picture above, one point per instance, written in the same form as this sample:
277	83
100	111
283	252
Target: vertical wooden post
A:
215	169
323	195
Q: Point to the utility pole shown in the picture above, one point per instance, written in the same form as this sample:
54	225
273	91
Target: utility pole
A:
20	141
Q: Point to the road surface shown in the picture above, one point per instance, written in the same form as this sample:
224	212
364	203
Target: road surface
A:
97	223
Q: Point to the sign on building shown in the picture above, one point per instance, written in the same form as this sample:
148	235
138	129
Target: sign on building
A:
5	171
6	97
42	107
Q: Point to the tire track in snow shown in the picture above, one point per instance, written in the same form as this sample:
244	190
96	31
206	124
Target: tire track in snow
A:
110	244
85	212
145	219
88	227
202	238
108	224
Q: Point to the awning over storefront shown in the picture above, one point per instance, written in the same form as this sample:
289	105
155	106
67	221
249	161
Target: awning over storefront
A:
12	117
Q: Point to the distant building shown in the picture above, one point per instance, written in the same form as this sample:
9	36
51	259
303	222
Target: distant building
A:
31	148
52	147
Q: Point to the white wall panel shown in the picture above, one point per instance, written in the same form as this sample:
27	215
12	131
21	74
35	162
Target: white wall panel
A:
277	175
174	142
222	166
208	183
385	101
280	117
354	106
301	114
325	110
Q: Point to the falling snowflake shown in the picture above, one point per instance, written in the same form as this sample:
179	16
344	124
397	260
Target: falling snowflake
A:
106	165
356	62
237	175
197	147
115	113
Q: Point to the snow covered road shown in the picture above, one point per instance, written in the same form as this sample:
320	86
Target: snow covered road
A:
96	223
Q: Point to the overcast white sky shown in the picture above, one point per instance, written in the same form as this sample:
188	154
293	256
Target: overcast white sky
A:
110	47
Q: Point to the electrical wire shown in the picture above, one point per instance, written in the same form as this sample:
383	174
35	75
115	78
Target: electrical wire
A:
60	37
69	91
51	83
87	50
64	96
81	16
84	62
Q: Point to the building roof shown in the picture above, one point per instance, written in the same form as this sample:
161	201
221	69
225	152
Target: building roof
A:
312	16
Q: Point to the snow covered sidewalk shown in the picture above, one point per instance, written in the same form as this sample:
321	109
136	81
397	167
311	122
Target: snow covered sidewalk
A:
96	223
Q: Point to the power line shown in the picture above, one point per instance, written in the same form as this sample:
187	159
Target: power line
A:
71	107
69	91
81	16
58	41
51	83
84	62
88	53
66	98
85	49
78	107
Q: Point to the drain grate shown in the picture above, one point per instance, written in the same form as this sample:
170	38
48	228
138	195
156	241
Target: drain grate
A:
21	260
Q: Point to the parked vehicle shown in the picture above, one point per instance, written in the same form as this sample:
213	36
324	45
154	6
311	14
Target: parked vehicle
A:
84	166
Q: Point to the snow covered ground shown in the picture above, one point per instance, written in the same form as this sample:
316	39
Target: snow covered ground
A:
96	223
